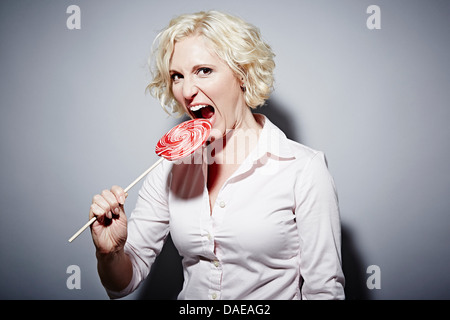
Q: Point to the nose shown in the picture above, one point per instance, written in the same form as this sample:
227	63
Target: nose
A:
190	89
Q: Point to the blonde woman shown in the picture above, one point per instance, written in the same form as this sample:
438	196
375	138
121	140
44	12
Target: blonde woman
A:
258	216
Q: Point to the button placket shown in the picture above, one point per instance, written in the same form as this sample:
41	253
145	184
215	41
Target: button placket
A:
216	271
215	280
219	209
207	227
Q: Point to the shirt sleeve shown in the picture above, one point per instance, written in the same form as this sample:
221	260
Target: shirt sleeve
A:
318	223
148	227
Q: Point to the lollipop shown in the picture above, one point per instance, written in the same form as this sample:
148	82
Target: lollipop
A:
181	141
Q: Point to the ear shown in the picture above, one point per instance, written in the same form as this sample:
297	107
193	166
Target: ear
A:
241	79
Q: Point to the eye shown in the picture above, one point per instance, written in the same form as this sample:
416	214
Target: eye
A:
175	77
204	71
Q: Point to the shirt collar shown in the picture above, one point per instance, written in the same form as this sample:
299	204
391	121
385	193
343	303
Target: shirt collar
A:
272	141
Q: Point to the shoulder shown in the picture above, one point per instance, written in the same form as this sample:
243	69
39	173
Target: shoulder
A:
276	142
302	151
307	155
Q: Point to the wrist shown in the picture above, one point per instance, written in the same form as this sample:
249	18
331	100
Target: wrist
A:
115	269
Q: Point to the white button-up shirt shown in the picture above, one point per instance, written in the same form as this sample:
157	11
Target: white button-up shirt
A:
274	231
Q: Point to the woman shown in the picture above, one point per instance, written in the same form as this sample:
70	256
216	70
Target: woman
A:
257	217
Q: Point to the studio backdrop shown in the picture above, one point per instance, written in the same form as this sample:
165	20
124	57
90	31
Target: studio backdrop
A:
366	82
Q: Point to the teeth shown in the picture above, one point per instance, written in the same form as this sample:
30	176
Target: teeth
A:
198	107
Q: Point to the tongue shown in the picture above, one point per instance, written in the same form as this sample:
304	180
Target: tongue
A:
207	112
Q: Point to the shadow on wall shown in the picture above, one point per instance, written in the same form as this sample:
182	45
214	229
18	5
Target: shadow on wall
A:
277	115
165	280
353	267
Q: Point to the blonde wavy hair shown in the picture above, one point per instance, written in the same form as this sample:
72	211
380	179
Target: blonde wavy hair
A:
235	41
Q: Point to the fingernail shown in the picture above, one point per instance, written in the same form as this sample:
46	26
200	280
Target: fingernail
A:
116	210
122	200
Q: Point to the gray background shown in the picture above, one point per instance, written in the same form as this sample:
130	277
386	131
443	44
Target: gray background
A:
75	119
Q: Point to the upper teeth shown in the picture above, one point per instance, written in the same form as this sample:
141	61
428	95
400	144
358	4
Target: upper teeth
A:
198	107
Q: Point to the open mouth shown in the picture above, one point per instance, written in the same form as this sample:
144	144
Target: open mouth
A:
202	111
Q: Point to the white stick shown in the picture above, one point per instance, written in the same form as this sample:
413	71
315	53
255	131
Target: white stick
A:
125	190
143	175
83	228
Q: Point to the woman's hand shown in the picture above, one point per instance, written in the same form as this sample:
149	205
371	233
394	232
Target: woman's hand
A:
109	231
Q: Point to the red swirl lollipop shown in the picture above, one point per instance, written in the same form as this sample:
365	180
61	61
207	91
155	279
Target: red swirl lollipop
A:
183	139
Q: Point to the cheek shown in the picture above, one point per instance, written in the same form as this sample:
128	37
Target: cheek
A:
176	92
226	95
178	95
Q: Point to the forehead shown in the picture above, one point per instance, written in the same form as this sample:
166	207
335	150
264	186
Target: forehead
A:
191	51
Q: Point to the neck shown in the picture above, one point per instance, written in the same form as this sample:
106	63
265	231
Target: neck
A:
237	143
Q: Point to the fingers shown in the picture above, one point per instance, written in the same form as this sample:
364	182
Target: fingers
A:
119	193
108	203
96	211
112	202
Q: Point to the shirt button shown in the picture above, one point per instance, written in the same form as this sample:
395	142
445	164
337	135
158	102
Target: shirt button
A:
216	263
209	236
214	296
222	204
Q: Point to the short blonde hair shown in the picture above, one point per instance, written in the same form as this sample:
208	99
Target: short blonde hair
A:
235	41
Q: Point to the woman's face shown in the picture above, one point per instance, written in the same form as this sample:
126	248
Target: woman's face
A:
206	86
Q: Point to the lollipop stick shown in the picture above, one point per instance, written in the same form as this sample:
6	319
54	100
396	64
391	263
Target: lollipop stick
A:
143	175
125	190
83	228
